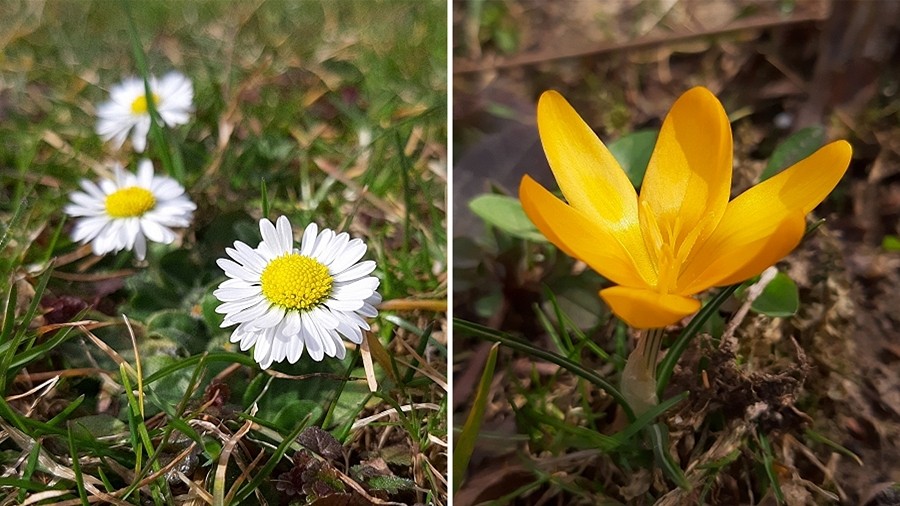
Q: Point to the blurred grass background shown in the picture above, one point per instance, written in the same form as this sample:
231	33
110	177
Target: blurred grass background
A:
336	112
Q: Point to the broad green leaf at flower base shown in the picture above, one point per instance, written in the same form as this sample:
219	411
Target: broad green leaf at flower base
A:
795	148
780	298
633	153
506	214
679	235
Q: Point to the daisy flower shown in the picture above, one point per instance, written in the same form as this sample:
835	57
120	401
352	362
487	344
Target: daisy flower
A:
127	108
126	212
284	300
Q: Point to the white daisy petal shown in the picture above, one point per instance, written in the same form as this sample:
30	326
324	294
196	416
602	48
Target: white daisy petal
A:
320	336
355	272
314	345
374	299
344	305
292	323
269	235
322	243
335	248
285	238
237	293
360	286
313	297
262	351
243	311
156	232
140	246
235	283
270	318
339	350
139	134
368	310
249	258
351	332
236	270
295	350
354	250
309	239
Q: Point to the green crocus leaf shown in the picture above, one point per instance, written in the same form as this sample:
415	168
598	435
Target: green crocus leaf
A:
633	151
891	243
505	213
795	148
780	298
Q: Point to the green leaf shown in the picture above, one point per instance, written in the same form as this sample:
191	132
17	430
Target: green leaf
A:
890	243
768	461
179	327
795	148
505	213
476	330
659	437
780	298
633	151
94	426
664	371
391	484
465	443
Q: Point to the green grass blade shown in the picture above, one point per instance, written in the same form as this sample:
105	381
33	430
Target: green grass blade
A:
819	438
51	246
264	197
9	317
659	439
28	485
266	470
173	165
465	443
581	437
769	466
405	169
62	415
10	355
219	356
420	351
647	418
76	468
30	466
487	333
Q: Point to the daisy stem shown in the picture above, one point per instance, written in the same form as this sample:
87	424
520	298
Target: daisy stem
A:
639	375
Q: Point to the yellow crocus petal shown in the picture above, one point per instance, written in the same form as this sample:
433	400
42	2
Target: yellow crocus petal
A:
688	179
766	222
589	176
742	247
801	186
647	309
587	173
575	234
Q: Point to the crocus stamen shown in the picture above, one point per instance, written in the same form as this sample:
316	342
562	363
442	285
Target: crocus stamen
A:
669	254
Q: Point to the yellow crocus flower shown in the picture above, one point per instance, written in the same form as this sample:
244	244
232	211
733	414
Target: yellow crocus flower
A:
681	235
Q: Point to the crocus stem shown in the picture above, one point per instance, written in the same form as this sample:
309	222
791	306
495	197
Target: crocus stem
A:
639	375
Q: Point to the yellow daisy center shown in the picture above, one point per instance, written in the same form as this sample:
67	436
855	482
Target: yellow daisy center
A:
295	281
129	202
139	106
